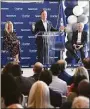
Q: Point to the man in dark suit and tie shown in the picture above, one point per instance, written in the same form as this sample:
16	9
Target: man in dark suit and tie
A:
79	39
43	25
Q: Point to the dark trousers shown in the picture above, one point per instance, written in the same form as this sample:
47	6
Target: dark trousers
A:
73	52
42	53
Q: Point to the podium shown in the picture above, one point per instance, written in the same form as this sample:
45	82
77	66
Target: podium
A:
50	43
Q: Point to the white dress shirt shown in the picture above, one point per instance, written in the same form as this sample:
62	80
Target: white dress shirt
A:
45	25
58	85
79	37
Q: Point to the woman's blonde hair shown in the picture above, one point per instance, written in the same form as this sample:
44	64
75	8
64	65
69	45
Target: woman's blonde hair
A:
6	26
82	71
39	96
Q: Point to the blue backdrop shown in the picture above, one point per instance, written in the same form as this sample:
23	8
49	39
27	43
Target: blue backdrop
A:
23	15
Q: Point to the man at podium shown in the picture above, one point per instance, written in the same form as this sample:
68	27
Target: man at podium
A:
43	25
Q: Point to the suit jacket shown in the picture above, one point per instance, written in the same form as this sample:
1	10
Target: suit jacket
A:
66	77
83	38
55	98
39	27
24	84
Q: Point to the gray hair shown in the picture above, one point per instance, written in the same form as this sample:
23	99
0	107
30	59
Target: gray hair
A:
81	71
80	23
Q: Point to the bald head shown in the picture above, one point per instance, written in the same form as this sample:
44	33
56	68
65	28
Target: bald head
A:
62	64
38	67
61	61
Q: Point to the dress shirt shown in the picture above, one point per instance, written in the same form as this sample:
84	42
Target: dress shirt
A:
58	85
79	38
45	25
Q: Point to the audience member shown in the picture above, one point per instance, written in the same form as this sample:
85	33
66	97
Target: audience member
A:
80	73
63	74
9	91
46	76
38	67
84	88
66	105
7	68
14	69
81	102
15	106
23	83
55	97
57	84
39	96
86	62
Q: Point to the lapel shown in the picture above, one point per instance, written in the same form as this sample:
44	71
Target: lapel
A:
48	26
76	35
81	36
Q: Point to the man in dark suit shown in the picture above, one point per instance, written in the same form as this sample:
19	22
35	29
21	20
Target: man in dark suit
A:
43	25
79	38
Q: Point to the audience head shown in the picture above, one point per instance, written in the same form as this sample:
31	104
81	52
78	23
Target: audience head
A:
80	26
81	102
55	69
12	68
38	67
86	62
7	68
43	14
16	70
9	90
39	96
46	76
15	106
62	64
80	74
84	88
9	26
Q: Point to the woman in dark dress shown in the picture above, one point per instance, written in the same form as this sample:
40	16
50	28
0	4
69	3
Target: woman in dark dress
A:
11	43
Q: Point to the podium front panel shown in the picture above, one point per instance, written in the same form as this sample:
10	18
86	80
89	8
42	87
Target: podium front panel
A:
51	43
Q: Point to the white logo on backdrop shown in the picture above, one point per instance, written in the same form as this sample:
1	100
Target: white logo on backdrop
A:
25	29
25	44
18	22
32	9
18	9
25	16
4	8
10	15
